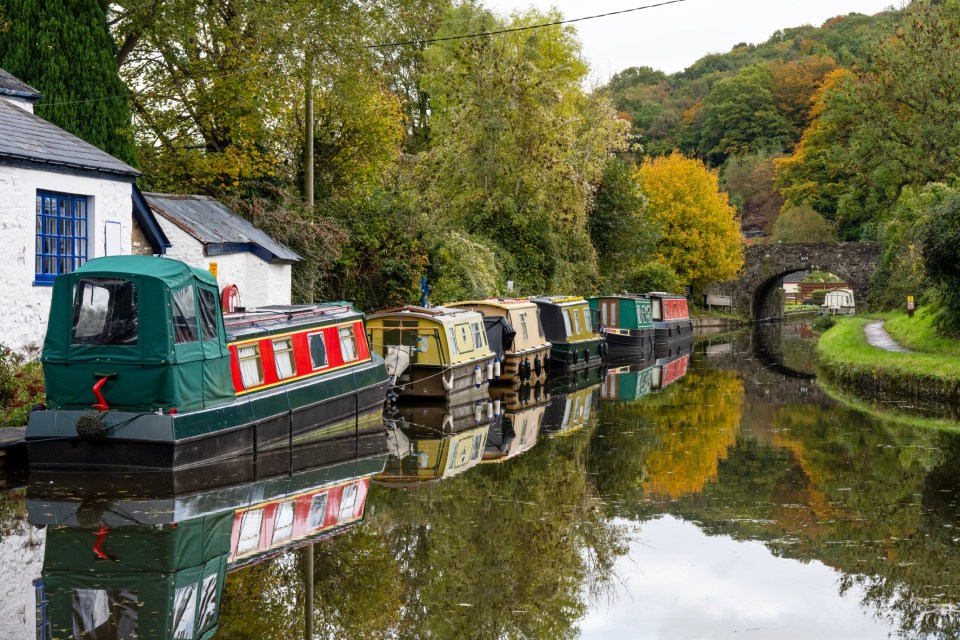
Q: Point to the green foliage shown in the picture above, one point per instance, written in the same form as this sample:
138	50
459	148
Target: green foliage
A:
802	224
64	50
824	322
821	276
941	256
462	268
750	182
652	276
620	231
21	387
817	296
920	333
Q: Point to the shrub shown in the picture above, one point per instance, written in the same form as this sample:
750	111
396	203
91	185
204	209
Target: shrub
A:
21	387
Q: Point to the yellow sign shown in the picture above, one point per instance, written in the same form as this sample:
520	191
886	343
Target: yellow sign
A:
909	298
213	269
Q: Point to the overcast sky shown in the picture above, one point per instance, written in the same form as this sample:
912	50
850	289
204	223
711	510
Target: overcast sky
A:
672	37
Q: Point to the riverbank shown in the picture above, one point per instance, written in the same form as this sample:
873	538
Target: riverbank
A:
846	360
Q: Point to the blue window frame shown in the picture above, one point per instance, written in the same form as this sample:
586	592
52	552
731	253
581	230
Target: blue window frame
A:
61	234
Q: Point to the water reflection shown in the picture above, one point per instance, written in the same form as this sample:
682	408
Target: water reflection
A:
707	493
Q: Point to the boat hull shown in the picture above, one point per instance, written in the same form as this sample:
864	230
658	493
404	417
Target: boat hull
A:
670	330
342	410
433	382
577	355
629	341
526	366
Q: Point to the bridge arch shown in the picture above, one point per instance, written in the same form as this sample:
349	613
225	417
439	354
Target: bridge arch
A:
766	265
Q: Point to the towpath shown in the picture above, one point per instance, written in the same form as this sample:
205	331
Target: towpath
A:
877	336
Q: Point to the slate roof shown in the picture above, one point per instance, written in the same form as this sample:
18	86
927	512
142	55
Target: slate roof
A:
24	136
220	230
13	86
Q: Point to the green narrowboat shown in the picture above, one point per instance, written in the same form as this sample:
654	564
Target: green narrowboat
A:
626	322
144	371
569	328
630	381
432	352
526	355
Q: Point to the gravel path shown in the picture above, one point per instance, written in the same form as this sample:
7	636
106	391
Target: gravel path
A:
877	336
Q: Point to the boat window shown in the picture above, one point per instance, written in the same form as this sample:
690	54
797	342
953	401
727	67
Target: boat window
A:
185	315
348	502
251	368
105	312
453	342
318	509
477	335
587	326
477	447
566	321
184	611
576	320
523	326
283	522
539	324
283	358
348	344
208	601
97	609
318	350
208	314
465	336
250	531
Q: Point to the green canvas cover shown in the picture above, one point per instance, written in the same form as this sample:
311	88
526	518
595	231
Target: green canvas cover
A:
155	580
151	370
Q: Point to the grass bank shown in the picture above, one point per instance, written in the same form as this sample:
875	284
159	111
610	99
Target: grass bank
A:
846	360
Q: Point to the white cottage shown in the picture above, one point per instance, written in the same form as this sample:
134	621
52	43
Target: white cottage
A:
206	234
62	201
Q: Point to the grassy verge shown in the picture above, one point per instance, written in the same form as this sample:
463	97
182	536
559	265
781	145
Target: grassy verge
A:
918	333
21	386
848	361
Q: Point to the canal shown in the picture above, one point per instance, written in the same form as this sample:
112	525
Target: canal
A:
721	495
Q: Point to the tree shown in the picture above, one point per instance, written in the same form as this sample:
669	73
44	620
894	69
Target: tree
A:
941	257
700	232
795	82
750	181
63	49
802	224
518	146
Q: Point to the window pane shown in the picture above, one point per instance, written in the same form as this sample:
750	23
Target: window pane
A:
283	358
477	333
105	312
586	320
208	314
208	601
348	502
348	344
99	613
283	522
318	350
453	342
185	315
523	326
576	320
318	510
251	368
566	321
250	531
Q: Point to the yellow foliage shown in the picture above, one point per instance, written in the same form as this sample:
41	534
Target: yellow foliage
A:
700	229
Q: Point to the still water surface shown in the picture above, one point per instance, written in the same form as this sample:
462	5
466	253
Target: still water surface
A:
736	501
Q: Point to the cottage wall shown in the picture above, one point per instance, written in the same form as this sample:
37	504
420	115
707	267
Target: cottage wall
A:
260	283
25	305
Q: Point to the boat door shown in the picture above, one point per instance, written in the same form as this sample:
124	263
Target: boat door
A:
608	313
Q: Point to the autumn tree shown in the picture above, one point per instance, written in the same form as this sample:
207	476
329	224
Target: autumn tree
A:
518	146
700	232
750	181
802	224
63	49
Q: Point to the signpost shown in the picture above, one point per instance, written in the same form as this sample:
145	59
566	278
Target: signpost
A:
910	306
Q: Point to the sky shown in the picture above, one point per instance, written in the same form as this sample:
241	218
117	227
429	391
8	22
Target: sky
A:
672	37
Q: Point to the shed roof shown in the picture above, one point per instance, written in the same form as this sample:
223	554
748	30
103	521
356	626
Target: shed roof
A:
24	136
13	86
220	230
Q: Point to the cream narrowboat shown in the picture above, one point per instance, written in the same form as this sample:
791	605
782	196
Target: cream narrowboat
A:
525	358
432	352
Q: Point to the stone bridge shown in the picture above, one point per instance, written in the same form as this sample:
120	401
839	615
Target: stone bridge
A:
758	292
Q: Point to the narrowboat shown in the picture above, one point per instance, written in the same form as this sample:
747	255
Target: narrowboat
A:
671	364
671	316
422	458
626	322
572	400
432	352
568	326
144	371
629	381
526	355
153	565
515	432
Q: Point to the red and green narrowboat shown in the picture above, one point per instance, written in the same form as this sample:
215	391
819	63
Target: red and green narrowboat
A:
569	328
671	316
143	371
626	322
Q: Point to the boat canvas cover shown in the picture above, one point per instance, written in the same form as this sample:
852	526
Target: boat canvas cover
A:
149	369
500	335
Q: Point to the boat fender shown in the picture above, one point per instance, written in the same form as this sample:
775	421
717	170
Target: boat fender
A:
478	412
90	427
477	376
447	384
447	423
576	356
490	370
496	368
586	355
524	369
538	366
490	412
496	406
229	298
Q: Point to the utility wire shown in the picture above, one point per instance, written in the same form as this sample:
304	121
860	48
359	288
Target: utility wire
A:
384	45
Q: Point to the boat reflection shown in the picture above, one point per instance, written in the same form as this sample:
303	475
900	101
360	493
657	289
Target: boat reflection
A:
432	441
572	399
519	425
134	560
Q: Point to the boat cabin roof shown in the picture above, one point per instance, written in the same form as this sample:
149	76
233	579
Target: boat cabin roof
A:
266	320
560	301
498	303
665	296
439	315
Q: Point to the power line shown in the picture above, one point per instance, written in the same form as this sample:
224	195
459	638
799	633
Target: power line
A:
384	45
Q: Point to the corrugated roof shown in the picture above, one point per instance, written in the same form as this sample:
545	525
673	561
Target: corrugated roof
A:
13	86
24	136
218	228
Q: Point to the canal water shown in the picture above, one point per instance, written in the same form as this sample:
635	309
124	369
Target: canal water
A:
722	494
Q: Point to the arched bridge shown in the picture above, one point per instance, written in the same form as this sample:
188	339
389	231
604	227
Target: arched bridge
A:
758	291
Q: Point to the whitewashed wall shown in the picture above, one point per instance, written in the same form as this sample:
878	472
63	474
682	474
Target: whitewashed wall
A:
24	307
260	282
21	561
